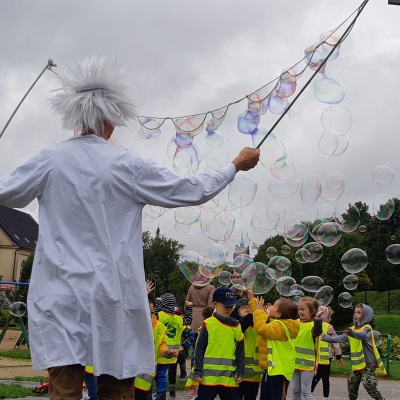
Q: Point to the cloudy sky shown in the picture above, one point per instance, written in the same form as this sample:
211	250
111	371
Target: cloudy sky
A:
187	57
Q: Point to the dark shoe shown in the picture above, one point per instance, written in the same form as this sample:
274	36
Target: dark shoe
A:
182	377
161	396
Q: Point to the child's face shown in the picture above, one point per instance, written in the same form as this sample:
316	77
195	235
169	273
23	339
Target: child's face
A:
274	310
243	311
223	311
358	313
304	311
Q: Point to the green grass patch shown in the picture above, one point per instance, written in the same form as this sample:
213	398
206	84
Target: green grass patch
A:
22	354
27	378
394	372
14	391
381	302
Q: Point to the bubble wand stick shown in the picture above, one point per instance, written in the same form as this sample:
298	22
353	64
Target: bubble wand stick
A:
48	66
345	33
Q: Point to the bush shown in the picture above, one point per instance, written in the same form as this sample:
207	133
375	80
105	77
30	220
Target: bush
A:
395	355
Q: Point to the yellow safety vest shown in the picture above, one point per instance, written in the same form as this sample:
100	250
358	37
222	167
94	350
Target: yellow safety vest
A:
252	370
89	369
219	364
281	356
144	381
174	324
357	353
305	349
323	349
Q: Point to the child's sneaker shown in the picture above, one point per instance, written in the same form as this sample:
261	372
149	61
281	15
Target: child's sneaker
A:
192	392
183	376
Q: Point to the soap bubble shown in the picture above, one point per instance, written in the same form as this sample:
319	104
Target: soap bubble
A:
310	190
382	175
242	189
151	213
327	90
314	252
241	262
332	146
337	120
215	253
279	262
285	249
186	161
271	252
383	207
345	300
149	128
238	289
301	255
188	220
189	264
214	138
393	253
224	278
259	277
347	215
362	228
220	227
333	186
209	271
283	188
284	284
324	295
374	338
277	105
329	233
215	159
312	283
296	242
354	260
248	121
18	309
272	152
350	282
261	222
284	172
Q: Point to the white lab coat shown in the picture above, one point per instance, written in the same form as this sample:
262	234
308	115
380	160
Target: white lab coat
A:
87	301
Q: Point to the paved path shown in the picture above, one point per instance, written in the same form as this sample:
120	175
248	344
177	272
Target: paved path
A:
390	390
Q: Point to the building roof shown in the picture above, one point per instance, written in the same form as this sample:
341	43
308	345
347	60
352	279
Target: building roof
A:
20	227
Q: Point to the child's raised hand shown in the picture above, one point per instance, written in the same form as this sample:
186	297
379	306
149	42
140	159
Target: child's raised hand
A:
250	293
321	310
150	286
259	303
267	308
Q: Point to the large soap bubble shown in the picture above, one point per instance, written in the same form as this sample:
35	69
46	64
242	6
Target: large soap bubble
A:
279	262
337	120
284	284
347	216
283	188
374	338
345	300
188	220
350	282
327	90
333	185
383	207
224	278
354	260
259	277
332	146
18	309
285	249
312	283
271	252
329	233
310	190
248	121
324	295
189	263
262	222
393	253
242	190
314	252
382	175
241	262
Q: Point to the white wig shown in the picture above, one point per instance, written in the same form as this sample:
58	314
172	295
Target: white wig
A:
93	92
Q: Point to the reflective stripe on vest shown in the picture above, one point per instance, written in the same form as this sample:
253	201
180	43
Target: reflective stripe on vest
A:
323	353
281	356
357	353
89	369
252	370
304	346
144	381
219	363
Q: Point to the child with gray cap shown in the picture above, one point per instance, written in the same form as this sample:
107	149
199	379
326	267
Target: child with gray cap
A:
219	355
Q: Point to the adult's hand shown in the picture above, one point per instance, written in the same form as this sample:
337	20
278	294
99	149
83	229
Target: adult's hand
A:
247	159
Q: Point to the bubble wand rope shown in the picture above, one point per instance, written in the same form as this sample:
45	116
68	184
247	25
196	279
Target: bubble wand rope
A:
345	33
48	66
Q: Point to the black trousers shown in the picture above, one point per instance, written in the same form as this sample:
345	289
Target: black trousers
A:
211	392
248	390
323	372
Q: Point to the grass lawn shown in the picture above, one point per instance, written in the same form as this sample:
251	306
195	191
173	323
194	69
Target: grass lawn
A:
14	391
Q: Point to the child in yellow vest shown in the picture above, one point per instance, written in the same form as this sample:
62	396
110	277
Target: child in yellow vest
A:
174	325
219	354
248	389
276	326
306	346
143	382
325	354
365	358
190	383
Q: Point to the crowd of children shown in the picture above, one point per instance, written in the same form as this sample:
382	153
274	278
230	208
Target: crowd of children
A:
244	347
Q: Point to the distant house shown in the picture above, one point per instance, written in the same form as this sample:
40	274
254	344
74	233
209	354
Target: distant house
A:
18	237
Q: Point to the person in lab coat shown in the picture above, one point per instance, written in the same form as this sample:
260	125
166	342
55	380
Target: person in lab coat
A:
87	298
